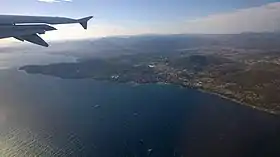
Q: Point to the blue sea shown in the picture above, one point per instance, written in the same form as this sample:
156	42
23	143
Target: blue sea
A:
47	116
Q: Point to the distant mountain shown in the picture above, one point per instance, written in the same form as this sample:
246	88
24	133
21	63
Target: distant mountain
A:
171	43
114	46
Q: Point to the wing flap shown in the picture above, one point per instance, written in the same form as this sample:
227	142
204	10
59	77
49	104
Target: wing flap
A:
26	33
33	38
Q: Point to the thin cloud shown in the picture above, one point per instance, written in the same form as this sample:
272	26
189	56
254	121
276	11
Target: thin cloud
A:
264	18
54	1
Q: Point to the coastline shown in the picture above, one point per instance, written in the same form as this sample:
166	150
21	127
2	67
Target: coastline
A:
133	83
240	103
215	94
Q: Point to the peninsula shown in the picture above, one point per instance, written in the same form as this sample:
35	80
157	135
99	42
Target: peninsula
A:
248	76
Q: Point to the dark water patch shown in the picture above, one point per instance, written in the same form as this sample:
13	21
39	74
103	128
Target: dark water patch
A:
90	118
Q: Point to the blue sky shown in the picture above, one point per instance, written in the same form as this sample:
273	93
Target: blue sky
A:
142	10
120	17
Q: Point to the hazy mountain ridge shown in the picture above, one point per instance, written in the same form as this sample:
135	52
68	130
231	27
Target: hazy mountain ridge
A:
114	46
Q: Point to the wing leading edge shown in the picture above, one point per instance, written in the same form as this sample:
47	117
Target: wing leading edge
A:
22	27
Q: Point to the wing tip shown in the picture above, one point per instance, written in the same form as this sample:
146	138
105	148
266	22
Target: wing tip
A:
84	21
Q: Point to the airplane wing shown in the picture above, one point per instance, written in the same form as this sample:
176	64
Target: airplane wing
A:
26	33
28	28
33	38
